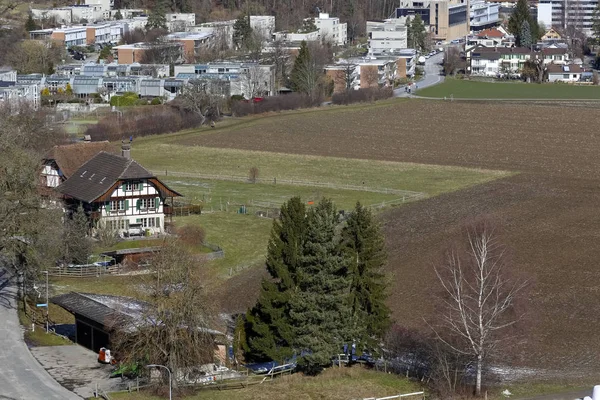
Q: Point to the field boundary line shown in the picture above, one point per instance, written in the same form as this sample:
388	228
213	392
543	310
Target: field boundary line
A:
296	182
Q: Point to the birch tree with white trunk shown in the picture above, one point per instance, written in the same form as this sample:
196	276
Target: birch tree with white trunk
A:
479	296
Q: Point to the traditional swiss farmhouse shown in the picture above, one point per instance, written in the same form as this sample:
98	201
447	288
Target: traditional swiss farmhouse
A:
119	194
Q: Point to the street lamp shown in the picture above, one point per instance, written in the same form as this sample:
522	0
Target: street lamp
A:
168	370
47	305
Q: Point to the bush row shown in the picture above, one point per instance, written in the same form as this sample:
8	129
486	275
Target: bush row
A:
142	122
290	101
362	95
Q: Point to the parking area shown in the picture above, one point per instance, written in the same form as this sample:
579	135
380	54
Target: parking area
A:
76	368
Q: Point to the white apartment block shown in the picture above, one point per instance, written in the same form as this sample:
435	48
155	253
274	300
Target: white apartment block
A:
180	22
484	14
330	29
296	37
567	13
387	37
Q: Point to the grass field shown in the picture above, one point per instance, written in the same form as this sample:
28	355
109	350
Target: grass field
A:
333	384
465	89
39	337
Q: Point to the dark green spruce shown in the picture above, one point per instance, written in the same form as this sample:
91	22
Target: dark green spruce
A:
268	328
363	248
320	307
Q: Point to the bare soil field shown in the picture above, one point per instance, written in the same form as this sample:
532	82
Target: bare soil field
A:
548	214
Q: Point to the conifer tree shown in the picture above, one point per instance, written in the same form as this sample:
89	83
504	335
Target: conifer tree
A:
30	24
319	308
157	19
242	32
520	15
363	247
268	329
298	76
525	36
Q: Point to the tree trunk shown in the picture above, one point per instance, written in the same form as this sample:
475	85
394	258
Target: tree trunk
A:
478	383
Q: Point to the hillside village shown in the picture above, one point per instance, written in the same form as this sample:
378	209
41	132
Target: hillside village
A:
243	199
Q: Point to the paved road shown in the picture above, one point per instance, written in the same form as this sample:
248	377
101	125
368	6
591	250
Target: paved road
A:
21	376
433	75
579	394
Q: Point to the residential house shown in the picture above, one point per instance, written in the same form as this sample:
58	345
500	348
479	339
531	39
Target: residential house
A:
193	43
491	37
551	34
565	73
387	37
331	29
180	22
137	52
14	94
117	192
555	55
496	61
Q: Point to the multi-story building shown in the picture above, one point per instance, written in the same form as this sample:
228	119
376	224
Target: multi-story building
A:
387	37
483	14
244	79
447	19
13	94
136	52
193	42
331	29
285	36
263	24
180	22
563	14
502	60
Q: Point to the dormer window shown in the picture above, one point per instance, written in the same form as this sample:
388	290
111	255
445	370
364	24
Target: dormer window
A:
131	186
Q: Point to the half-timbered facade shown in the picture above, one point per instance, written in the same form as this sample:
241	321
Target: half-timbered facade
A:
119	193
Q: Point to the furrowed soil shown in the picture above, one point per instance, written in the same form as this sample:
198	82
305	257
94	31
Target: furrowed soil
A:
548	214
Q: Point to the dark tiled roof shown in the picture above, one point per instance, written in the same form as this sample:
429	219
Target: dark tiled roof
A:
72	156
103	309
572	68
553	50
98	175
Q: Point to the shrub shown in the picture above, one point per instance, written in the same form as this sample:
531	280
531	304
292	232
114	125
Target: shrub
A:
253	174
143	121
156	101
191	235
290	101
362	95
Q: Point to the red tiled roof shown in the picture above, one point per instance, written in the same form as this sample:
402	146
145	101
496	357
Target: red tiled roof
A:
491	33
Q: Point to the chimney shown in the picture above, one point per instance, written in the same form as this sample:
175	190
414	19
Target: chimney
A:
126	149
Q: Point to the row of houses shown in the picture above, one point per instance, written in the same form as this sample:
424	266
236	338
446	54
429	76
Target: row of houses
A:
510	61
244	79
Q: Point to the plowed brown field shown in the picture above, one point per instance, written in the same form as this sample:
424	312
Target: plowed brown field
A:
549	214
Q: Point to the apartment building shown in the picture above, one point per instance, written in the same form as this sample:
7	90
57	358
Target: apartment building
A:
180	22
192	42
578	14
447	19
331	29
387	37
483	14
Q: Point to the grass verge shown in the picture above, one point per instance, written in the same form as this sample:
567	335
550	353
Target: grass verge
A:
465	89
333	384
39	337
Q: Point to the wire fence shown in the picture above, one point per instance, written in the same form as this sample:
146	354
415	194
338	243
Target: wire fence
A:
407	194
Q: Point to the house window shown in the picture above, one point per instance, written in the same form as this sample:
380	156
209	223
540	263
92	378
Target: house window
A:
566	76
117	206
147	222
148	203
131	186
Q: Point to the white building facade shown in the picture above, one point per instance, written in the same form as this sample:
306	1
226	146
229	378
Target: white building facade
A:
330	29
564	13
483	14
387	37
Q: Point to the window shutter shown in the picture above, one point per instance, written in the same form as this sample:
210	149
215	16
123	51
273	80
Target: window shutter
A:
126	205
138	204
158	222
124	187
126	224
157	202
141	186
107	206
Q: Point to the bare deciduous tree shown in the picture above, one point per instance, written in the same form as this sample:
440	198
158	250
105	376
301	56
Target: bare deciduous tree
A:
479	297
452	60
204	98
173	329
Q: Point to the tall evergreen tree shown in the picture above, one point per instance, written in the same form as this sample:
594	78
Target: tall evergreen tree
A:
320	306
268	329
518	18
300	70
118	15
410	37
157	19
242	32
363	247
419	35
525	36
30	24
